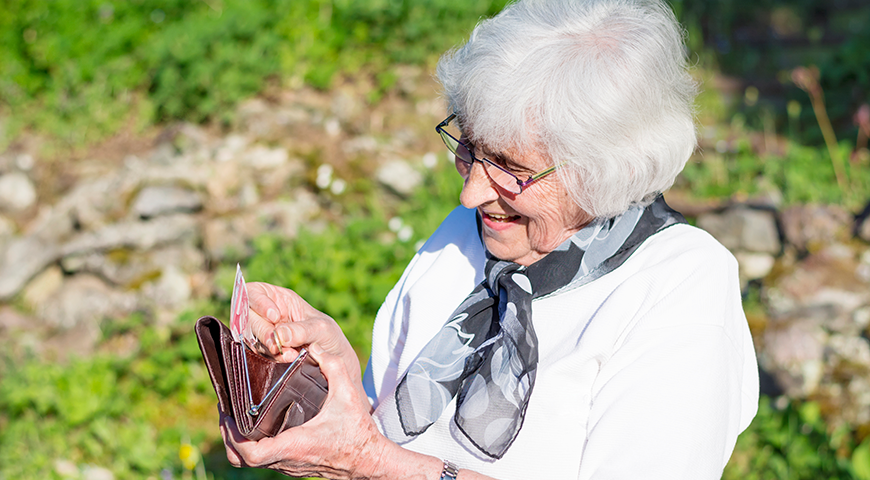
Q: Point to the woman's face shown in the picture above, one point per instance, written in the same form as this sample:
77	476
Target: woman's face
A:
526	227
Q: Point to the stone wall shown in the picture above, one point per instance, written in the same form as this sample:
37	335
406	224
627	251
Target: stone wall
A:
143	233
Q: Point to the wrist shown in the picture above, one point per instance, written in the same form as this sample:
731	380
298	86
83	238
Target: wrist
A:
449	471
395	462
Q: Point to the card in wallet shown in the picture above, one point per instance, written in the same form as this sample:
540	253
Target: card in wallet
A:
263	396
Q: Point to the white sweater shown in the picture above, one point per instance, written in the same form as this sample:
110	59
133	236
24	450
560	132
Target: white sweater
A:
648	372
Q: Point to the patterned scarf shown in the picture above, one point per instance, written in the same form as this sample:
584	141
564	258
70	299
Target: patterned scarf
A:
487	354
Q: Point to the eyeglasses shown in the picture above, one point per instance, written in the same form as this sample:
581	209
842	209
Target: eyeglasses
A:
465	160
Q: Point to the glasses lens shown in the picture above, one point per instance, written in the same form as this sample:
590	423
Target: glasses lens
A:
462	157
503	179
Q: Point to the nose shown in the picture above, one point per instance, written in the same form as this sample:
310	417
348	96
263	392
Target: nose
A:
478	188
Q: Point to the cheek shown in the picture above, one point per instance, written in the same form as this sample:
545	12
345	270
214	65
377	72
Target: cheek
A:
554	222
544	233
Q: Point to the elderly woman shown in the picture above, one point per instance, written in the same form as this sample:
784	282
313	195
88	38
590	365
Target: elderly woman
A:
563	322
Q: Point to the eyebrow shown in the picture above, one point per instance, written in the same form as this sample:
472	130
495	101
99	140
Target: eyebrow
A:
507	162
501	159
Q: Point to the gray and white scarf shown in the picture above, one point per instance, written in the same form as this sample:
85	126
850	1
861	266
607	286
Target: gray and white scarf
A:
487	353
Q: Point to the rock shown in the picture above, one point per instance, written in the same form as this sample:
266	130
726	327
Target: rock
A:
813	344
266	121
25	162
285	177
223	187
23	259
792	351
42	287
170	291
189	138
163	154
848	365
163	200
743	228
363	144
248	195
130	268
141	235
264	158
854	350
399	176
285	217
346	106
805	226
231	148
754	265
17	192
226	239
66	468
52	224
7	229
332	127
812	281
92	472
83	301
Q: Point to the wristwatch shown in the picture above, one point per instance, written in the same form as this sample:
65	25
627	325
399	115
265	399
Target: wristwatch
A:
450	471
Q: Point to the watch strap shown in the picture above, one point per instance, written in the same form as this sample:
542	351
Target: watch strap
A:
450	471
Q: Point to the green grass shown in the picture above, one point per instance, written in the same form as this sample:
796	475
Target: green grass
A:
77	71
801	175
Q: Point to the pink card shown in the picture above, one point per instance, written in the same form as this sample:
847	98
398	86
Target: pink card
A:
239	306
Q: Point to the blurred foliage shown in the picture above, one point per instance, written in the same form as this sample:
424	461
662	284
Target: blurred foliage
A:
793	443
79	70
760	42
130	413
799	175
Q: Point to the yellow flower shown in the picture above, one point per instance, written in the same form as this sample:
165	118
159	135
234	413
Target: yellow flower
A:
189	456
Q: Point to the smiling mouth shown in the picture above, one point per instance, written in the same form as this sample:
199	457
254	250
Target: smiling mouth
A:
501	218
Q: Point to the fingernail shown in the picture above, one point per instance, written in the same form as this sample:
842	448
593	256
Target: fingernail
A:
272	315
283	335
315	349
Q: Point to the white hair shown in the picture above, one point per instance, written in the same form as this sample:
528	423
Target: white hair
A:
602	85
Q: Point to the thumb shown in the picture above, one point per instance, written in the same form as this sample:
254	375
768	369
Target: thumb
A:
262	301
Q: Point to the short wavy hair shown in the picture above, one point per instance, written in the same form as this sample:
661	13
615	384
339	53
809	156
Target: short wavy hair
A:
600	84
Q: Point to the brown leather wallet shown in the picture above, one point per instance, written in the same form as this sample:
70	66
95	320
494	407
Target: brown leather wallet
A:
263	396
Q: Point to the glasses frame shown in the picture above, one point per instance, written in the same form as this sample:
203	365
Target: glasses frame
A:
521	185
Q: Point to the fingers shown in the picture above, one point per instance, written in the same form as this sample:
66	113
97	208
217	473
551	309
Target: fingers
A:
229	431
262	336
343	378
242	452
262	298
270	306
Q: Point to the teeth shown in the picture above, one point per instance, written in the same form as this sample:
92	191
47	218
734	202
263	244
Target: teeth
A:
499	218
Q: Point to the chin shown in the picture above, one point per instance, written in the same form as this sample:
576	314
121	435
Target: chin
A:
500	251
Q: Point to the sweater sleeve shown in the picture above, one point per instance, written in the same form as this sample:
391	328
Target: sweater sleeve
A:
681	382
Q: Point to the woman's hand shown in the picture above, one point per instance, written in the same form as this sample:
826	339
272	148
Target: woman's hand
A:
281	322
340	442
